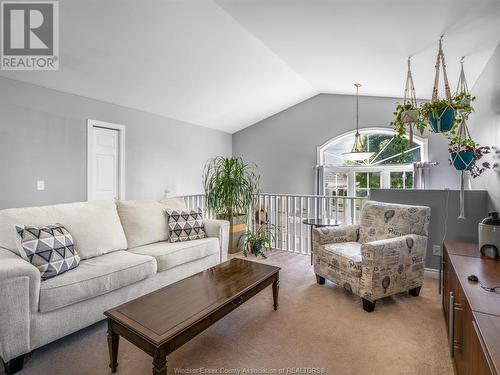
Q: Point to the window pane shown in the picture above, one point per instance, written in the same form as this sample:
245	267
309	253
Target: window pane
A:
335	183
396	180
409	180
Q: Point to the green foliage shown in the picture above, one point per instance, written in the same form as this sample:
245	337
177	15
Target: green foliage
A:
230	185
402	128
461	103
257	242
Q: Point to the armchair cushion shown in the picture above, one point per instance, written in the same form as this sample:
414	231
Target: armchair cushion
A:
343	258
380	221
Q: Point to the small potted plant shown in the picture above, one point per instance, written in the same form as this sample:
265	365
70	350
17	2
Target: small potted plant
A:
256	242
407	117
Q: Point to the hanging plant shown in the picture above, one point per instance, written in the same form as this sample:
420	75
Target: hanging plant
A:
407	115
467	157
444	115
465	153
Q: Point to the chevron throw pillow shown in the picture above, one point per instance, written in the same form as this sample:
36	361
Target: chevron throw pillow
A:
185	226
49	248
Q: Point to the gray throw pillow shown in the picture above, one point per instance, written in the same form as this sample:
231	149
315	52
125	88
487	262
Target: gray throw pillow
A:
49	248
185	226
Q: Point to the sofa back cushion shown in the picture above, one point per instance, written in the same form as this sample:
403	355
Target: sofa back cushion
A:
381	220
174	204
144	221
95	226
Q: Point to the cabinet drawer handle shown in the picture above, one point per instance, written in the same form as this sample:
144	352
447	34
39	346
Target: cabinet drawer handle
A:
451	325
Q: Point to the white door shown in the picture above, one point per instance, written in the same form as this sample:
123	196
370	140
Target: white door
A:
104	163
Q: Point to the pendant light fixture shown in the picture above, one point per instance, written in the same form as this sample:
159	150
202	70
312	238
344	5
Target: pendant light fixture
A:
358	149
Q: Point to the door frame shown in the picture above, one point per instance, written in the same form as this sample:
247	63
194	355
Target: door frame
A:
91	124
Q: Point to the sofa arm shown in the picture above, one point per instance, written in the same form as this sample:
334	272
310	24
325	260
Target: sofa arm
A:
392	265
342	233
219	229
19	292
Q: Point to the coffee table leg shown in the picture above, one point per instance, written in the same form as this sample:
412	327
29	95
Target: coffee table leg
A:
113	340
276	291
160	362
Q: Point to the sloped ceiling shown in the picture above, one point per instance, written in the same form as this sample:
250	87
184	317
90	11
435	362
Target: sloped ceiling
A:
226	64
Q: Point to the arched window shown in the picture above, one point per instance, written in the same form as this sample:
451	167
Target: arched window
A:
388	168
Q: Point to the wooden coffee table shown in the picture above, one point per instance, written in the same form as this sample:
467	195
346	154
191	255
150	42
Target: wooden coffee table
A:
162	321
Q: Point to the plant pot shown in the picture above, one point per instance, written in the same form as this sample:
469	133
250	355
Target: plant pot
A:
256	248
462	160
465	101
445	121
237	228
410	116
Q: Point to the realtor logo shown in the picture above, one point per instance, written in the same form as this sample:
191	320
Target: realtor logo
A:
29	35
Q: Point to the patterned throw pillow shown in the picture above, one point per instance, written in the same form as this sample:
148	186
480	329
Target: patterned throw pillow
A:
185	226
49	248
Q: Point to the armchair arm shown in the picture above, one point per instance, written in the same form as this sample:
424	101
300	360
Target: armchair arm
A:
219	229
19	292
342	233
392	265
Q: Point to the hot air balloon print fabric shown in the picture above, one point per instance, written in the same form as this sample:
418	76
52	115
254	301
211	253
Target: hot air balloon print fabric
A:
369	259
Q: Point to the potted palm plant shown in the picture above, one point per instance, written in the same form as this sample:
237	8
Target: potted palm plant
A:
230	185
258	241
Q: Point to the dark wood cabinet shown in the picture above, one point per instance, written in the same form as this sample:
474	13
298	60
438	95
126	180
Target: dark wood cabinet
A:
472	314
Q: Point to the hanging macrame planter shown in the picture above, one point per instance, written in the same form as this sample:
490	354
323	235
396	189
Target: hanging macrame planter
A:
411	115
407	115
462	147
441	118
462	154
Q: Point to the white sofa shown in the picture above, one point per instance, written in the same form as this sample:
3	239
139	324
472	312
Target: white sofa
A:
125	253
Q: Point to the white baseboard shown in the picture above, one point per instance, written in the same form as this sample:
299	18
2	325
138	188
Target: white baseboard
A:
432	273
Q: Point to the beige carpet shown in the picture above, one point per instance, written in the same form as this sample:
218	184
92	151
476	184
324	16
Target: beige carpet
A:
315	327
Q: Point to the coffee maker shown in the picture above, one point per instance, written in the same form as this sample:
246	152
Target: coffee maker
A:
489	236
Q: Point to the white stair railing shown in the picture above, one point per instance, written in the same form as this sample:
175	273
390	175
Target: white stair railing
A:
287	213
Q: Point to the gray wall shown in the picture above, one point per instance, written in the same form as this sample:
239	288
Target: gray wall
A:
476	203
43	137
284	145
485	124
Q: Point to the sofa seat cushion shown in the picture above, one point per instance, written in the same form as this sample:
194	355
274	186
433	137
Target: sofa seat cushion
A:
169	255
94	277
343	258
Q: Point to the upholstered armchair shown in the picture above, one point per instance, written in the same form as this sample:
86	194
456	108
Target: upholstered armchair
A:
383	255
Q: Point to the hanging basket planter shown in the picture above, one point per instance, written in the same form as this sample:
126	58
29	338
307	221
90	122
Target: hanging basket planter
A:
462	160
443	122
410	116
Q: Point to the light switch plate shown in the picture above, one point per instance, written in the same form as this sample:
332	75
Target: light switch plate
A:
40	185
436	250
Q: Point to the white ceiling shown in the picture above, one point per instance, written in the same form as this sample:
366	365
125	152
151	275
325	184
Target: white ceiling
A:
226	64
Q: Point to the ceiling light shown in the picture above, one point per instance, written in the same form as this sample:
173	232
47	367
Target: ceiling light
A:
358	152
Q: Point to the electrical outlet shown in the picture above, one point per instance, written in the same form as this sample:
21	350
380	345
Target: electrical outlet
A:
436	250
40	185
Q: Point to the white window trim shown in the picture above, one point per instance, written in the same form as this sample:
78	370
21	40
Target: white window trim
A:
91	124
